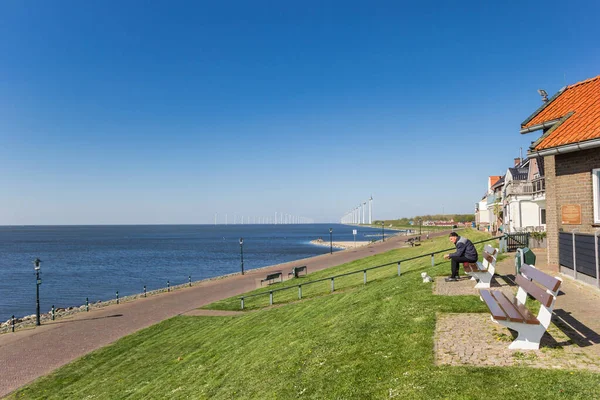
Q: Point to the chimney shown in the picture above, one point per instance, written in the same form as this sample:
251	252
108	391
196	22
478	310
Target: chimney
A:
517	161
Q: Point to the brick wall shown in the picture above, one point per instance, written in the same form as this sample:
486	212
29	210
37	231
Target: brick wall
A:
552	214
569	181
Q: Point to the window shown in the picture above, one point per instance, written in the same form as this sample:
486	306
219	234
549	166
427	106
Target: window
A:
596	194
543	216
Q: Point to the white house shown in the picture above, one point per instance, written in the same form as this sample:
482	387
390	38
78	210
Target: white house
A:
524	196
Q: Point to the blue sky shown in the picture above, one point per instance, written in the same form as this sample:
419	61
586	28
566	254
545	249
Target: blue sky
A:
170	111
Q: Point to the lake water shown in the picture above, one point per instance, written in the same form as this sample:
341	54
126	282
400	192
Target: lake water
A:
96	261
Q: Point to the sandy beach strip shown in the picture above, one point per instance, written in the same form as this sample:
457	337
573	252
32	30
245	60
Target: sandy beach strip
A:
340	245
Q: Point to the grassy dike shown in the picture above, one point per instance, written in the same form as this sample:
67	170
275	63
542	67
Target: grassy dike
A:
361	342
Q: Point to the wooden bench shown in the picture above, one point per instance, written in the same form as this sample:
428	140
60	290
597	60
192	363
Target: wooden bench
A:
511	312
270	279
483	271
297	270
413	241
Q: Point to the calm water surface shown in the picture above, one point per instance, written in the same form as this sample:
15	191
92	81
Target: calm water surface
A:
95	261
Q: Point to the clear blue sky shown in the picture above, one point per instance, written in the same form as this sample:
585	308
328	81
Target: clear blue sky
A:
169	111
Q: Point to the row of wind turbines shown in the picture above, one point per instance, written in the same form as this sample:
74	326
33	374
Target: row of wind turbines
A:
358	214
277	219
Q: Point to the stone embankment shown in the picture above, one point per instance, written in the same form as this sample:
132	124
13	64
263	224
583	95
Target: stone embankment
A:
30	320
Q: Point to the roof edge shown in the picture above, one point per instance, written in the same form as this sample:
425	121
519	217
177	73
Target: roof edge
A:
567	148
555	126
543	106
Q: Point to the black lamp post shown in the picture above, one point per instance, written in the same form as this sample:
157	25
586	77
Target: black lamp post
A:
420	226
242	253
330	240
37	266
382	231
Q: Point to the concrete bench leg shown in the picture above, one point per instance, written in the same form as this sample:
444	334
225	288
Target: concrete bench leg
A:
529	337
485	279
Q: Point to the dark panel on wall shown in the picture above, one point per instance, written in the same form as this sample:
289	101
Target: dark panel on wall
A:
585	252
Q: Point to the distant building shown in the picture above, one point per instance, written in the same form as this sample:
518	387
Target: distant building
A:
483	214
524	197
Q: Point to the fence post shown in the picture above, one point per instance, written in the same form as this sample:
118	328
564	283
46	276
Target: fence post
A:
53	310
332	285
87	304
574	254
398	268
271	298
365	276
12	323
433	260
300	292
242	303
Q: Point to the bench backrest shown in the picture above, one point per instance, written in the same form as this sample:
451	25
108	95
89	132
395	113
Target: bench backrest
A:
490	250
489	258
542	287
273	276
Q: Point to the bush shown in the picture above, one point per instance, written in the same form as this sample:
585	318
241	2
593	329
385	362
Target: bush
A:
538	235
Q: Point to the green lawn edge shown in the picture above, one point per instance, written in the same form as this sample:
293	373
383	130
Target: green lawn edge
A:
371	341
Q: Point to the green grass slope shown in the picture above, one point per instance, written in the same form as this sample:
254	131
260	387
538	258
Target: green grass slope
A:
371	341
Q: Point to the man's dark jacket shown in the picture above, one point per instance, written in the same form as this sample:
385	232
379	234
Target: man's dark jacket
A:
466	249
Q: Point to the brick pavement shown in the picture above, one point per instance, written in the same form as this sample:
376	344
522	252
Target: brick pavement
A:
572	341
30	353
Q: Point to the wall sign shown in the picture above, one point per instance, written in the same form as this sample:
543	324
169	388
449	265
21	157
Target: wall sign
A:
571	214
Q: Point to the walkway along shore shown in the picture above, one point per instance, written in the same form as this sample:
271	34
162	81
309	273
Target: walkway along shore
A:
31	353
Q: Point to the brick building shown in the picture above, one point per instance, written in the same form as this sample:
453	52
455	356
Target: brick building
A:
570	147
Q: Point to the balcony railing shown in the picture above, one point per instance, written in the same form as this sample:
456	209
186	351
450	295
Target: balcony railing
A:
535	187
539	185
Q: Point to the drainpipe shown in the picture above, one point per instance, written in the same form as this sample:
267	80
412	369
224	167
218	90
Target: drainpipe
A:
520	214
574	254
597	261
568	148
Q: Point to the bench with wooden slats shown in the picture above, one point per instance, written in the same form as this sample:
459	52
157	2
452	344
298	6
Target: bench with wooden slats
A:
297	270
484	271
511	312
270	279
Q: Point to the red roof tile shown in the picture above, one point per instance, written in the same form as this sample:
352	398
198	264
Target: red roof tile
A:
583	100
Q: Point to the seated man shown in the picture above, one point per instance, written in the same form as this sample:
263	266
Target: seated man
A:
465	252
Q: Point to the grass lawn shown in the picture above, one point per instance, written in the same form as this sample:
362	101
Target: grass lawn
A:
371	341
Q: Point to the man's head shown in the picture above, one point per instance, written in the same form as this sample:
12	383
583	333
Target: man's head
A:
453	237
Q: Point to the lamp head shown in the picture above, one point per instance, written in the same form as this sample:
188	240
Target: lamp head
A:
330	230
241	241
37	264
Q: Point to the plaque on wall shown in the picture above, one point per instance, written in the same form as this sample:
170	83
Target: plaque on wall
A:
571	214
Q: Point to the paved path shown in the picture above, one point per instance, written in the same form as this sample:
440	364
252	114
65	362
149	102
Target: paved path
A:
573	341
28	354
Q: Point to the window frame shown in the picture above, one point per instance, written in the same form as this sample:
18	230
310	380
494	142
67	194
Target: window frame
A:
596	194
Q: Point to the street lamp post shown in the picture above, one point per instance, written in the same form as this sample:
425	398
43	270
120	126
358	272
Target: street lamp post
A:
420	226
330	240
242	254
37	266
382	231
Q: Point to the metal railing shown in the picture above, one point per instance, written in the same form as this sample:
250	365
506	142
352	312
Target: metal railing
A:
362	270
